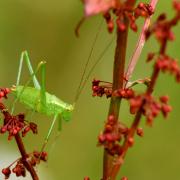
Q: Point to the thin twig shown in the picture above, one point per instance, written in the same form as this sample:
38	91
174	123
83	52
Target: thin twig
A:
140	44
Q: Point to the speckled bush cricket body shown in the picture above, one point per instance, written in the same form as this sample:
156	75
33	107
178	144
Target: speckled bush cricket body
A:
37	99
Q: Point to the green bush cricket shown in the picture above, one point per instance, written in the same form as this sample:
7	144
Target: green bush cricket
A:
37	99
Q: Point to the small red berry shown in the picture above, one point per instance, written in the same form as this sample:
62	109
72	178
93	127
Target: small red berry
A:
164	99
110	26
130	141
2	94
86	178
101	138
7	90
3	130
124	178
6	172
140	132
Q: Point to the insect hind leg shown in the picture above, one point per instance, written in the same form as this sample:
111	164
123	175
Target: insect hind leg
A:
25	57
32	77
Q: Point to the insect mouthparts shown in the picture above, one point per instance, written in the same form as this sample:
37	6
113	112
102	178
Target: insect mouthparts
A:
13	88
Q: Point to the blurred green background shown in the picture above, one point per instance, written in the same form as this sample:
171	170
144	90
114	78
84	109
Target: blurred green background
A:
46	30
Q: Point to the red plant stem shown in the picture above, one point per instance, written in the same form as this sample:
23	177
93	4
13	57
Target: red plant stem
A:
21	147
118	75
24	155
137	119
118	78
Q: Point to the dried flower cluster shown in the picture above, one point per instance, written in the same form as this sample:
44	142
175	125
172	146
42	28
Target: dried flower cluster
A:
112	135
14	124
121	11
18	166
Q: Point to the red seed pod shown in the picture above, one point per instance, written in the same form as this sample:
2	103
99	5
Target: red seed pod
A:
161	17
9	127
95	88
109	137
86	178
2	94
110	26
101	138
108	128
149	120
33	127
15	131
144	14
178	77
111	118
3	130
25	131
14	170
95	82
6	172
130	141
124	178
36	154
176	5
137	13
7	90
133	110
164	99
165	110
32	161
133	26
130	93
140	132
141	5
21	117
107	16
122	93
150	56
171	36
19	170
121	26
44	156
18	128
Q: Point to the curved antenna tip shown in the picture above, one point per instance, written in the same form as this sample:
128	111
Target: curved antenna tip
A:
78	26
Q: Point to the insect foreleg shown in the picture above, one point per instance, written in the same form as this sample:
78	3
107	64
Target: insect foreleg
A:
49	132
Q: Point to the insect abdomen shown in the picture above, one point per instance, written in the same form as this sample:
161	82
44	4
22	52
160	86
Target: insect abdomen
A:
31	98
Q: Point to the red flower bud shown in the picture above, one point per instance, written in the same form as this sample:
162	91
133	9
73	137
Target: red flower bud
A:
140	132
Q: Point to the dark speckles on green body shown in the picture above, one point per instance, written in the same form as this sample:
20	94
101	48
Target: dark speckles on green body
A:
31	98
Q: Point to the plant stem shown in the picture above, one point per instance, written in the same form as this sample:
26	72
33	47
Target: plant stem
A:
21	147
24	155
135	124
118	78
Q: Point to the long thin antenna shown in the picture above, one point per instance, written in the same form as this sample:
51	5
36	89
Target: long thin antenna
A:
92	68
88	60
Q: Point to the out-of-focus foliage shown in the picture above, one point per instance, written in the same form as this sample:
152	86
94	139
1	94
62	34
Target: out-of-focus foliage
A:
46	30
